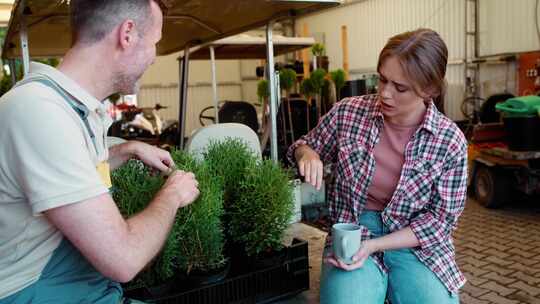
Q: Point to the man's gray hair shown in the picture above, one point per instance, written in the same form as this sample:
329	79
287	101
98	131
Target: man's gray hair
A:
92	20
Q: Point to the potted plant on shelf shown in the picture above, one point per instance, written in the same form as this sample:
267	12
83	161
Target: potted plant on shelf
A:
338	77
318	78
319	53
287	79
307	89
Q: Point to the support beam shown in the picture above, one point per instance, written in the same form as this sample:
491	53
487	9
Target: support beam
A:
24	44
12	71
345	48
183	87
214	82
272	89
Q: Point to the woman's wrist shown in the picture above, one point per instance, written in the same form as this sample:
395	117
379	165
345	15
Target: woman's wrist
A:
374	245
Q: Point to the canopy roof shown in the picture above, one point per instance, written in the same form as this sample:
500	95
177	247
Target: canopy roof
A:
249	47
187	23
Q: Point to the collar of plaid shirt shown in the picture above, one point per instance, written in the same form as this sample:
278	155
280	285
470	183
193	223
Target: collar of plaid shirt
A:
431	192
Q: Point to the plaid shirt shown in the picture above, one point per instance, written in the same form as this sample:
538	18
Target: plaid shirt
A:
431	192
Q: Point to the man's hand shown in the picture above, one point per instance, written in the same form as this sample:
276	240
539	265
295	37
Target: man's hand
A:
181	187
153	156
368	247
310	166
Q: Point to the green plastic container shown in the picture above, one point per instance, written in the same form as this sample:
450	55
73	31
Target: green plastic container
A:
522	122
522	106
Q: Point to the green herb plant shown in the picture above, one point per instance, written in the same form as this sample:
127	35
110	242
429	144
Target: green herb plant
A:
261	214
229	159
200	232
196	238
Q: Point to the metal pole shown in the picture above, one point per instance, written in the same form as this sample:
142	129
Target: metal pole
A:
272	90
13	71
183	87
24	44
214	82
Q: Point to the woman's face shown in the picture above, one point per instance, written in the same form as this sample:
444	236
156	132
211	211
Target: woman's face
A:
398	98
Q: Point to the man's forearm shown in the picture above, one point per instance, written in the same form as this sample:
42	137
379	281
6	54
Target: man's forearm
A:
148	230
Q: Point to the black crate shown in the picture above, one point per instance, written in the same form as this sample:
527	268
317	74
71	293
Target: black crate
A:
261	286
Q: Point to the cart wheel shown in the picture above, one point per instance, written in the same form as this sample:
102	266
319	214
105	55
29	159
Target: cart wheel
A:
491	187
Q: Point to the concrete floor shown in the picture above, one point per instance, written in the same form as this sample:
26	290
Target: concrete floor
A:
498	250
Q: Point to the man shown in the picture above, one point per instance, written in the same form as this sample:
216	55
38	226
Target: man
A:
62	238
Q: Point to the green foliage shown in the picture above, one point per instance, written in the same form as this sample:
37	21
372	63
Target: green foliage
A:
134	186
258	195
317	79
287	78
199	230
307	89
229	159
318	49
338	77
262	213
196	239
262	89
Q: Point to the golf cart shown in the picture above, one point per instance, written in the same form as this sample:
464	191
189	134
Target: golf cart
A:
247	47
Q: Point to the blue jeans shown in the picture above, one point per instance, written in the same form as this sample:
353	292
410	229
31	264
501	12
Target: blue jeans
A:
408	279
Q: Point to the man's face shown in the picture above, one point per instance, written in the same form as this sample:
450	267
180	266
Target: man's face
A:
143	54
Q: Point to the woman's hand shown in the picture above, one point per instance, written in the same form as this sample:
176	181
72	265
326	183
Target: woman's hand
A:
310	165
368	247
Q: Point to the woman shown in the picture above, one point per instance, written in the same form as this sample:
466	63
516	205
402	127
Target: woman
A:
400	170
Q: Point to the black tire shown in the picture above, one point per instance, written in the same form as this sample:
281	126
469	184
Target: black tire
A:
491	187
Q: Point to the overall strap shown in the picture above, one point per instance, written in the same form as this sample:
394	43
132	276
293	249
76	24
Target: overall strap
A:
79	108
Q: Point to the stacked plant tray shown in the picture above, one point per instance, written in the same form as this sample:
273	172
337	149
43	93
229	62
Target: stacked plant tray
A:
244	284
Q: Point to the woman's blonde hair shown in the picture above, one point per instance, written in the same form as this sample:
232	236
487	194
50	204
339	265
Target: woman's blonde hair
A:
423	56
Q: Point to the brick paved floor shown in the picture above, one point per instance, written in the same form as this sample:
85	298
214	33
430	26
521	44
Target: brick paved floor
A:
498	250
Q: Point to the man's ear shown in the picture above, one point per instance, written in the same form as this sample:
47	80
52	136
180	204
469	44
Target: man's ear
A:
127	33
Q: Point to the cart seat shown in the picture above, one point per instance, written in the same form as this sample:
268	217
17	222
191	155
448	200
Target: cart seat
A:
198	142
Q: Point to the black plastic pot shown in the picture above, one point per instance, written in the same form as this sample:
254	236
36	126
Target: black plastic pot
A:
242	286
523	133
323	62
198	278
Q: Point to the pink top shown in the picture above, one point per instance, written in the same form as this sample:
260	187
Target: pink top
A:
389	156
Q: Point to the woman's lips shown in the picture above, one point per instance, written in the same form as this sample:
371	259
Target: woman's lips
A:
385	105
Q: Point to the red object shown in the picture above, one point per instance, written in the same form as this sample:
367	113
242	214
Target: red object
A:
528	70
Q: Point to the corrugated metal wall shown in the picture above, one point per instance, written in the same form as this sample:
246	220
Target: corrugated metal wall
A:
507	26
371	22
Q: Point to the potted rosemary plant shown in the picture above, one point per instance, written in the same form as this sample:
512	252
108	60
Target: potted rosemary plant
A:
195	243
